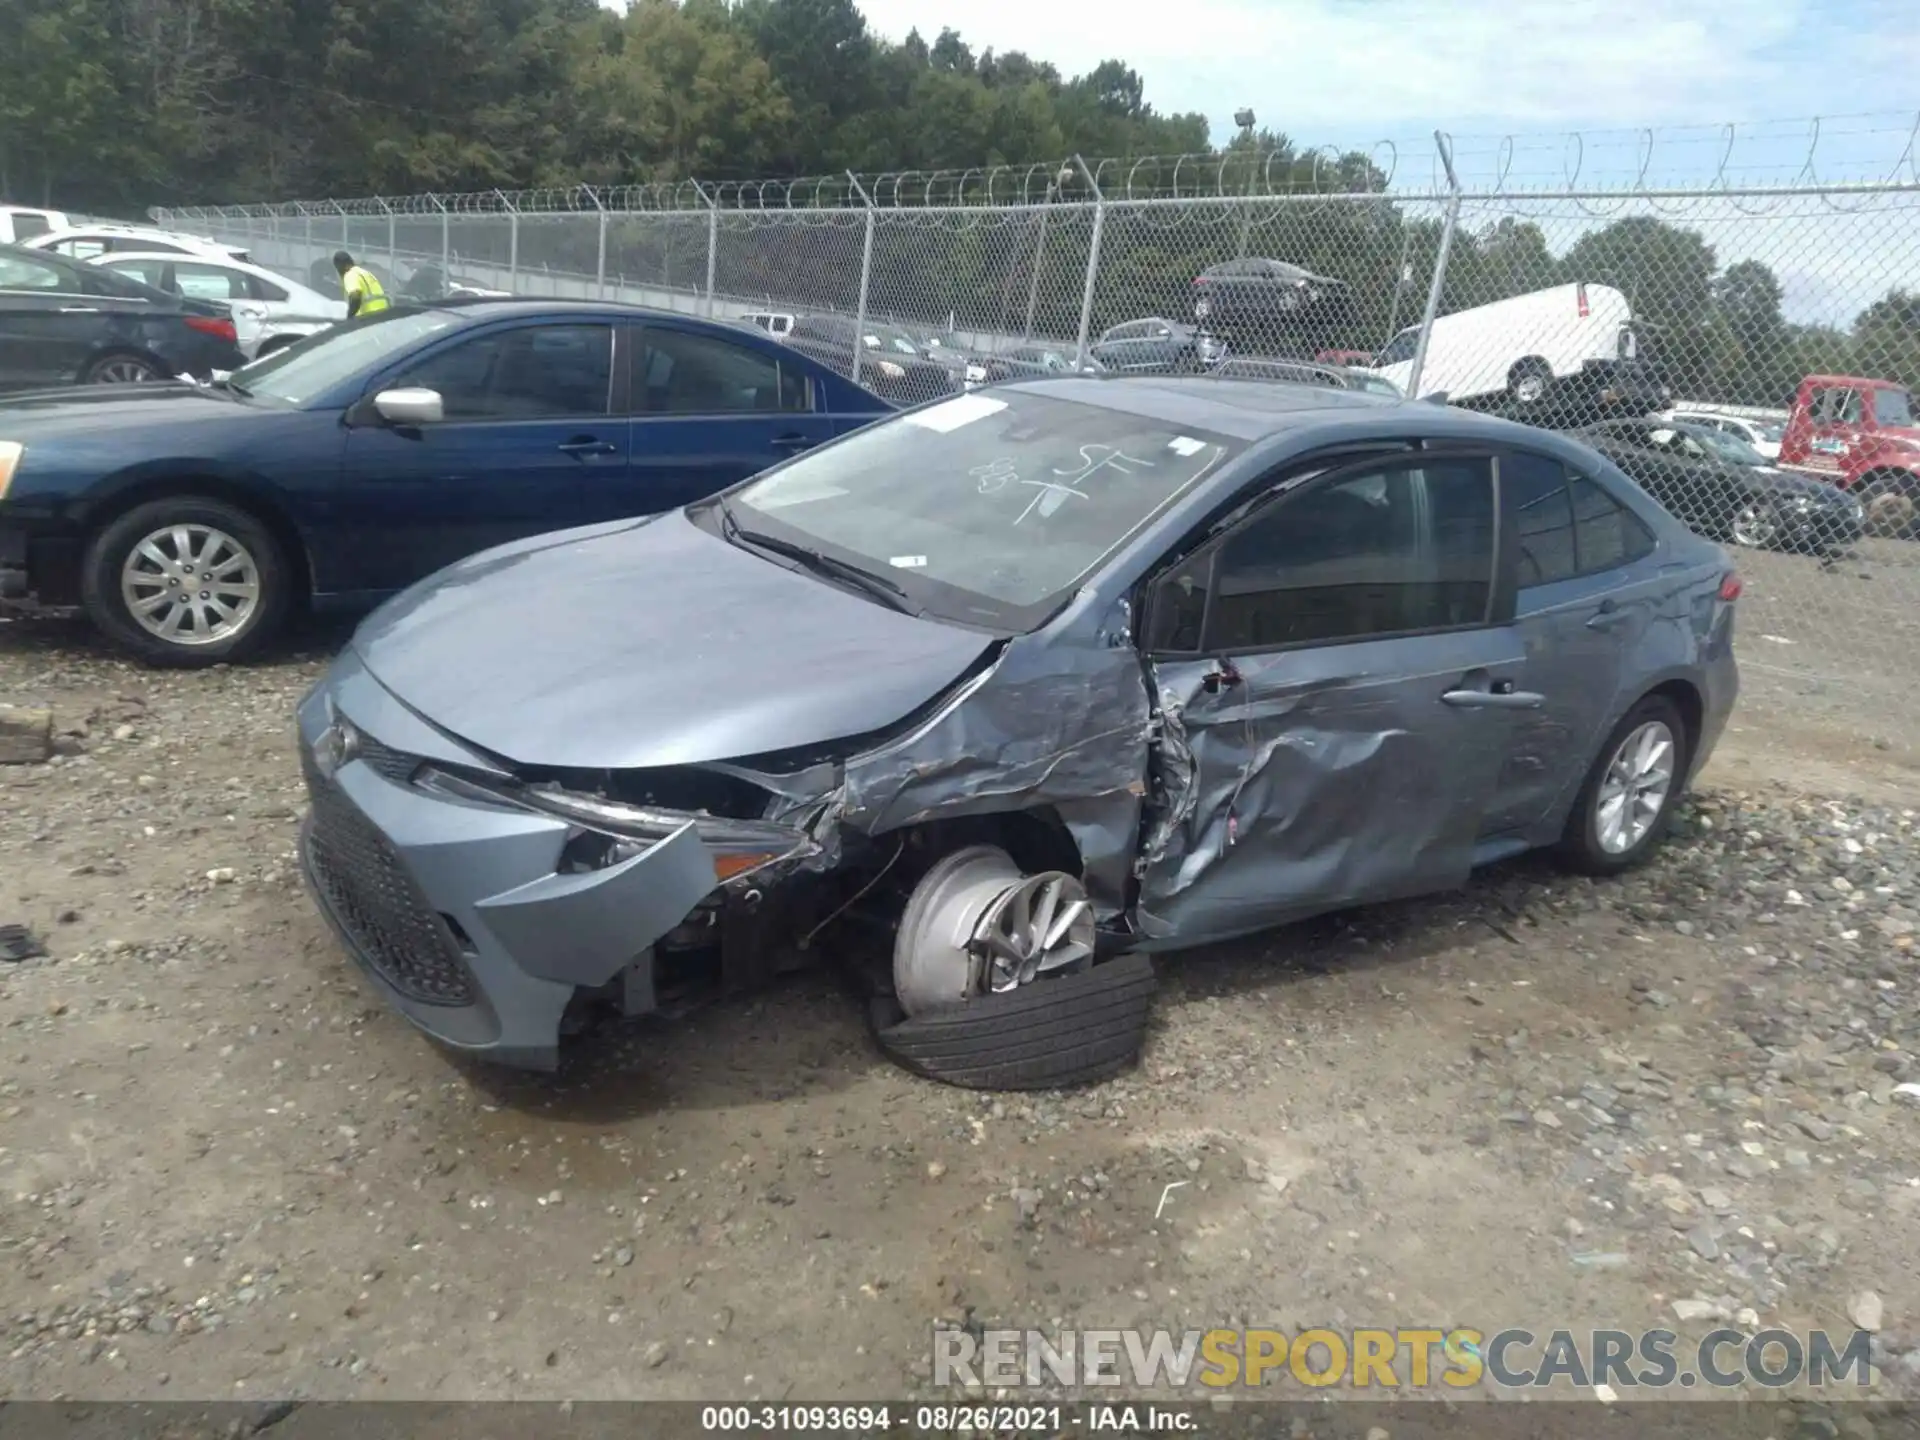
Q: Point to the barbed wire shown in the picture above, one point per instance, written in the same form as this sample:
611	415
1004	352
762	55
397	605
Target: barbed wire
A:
1832	154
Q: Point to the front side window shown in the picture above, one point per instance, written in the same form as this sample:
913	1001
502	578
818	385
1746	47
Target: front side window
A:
1400	348
681	373
1836	407
1402	548
534	372
987	508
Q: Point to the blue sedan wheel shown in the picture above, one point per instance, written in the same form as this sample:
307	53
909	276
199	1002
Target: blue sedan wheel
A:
190	585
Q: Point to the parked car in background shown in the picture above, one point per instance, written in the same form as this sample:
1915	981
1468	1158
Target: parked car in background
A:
191	520
1722	488
21	223
424	283
963	369
610	765
1569	346
1028	362
270	311
1269	306
1762	435
1158	347
774	322
86	241
892	364
1346	357
63	322
1300	372
1861	434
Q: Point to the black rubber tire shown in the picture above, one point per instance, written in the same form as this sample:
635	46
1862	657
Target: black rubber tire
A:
1893	485
107	552
1049	1035
1579	849
91	375
1522	371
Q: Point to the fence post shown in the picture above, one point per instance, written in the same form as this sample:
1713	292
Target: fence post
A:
1447	227
446	237
513	240
393	243
866	277
346	227
600	256
1093	264
1054	187
713	241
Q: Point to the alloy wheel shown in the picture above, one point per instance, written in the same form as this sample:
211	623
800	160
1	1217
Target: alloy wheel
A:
1634	790
190	584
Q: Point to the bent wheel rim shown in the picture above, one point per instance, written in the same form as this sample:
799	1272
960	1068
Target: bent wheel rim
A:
123	372
190	585
1634	790
1041	926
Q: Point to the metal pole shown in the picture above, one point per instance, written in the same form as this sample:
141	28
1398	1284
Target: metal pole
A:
1439	266
1246	213
1093	264
600	262
1039	256
713	247
393	243
446	240
866	276
346	230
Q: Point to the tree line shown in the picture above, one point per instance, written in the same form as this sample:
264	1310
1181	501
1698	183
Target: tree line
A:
114	105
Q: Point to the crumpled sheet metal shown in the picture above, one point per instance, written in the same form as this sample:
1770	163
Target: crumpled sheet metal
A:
1063	725
1290	781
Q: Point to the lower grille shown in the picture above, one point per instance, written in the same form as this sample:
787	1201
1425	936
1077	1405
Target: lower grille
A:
377	903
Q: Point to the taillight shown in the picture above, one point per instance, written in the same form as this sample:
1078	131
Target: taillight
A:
1730	587
211	325
1580	294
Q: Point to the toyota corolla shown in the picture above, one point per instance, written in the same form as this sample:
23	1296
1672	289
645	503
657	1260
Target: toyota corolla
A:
1023	685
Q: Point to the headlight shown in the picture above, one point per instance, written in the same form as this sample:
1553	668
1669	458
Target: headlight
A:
10	453
891	370
337	744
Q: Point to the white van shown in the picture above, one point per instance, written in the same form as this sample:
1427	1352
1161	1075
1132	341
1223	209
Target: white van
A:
1516	349
20	223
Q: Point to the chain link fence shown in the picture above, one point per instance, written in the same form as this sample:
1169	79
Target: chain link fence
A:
1746	351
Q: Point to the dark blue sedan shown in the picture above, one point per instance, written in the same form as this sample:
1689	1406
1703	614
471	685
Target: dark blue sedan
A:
192	520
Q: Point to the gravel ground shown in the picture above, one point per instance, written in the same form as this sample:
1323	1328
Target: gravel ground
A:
228	1172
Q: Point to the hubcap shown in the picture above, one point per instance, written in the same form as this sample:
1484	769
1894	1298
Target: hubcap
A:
1635	788
1890	514
124	372
1530	388
190	584
975	925
1755	526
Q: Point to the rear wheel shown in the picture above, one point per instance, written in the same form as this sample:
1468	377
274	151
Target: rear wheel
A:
1626	803
186	581
1757	524
1529	380
994	969
122	369
1892	504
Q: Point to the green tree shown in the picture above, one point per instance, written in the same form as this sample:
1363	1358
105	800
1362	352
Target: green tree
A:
1666	274
1886	339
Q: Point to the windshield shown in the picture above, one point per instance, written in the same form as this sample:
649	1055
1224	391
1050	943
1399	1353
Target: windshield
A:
1724	446
985	508
321	361
1380	385
1892	407
897	341
1768	430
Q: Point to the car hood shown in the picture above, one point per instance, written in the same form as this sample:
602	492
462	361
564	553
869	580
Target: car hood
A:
648	643
1785	482
95	410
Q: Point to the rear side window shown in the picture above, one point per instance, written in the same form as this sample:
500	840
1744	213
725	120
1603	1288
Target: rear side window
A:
1606	534
1542	516
680	373
265	289
28	223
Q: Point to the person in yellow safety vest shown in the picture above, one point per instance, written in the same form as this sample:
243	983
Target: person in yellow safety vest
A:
357	283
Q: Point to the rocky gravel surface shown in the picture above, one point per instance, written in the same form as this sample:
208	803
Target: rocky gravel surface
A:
1689	1098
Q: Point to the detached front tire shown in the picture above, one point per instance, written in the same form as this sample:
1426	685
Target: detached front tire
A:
1626	803
186	581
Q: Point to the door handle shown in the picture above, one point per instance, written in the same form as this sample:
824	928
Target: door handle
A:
584	445
1494	699
1607	616
792	442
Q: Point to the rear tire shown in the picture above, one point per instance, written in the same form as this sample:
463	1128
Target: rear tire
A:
1617	787
1892	503
208	572
1529	381
122	368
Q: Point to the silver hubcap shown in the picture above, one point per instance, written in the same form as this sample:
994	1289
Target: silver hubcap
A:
1756	526
190	584
1890	514
1635	788
1530	388
975	925
123	372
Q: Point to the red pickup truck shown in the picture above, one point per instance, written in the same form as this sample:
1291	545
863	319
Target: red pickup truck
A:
1861	435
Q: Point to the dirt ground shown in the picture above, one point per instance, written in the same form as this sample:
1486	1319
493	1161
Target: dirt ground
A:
228	1171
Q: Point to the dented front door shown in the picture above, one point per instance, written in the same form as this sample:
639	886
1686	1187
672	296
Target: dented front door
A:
1326	777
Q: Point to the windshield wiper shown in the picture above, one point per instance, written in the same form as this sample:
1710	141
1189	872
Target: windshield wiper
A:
821	563
226	382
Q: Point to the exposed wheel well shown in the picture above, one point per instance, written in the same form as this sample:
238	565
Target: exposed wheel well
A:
208	487
1037	839
1894	477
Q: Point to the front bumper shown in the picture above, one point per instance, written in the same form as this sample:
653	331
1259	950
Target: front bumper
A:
456	910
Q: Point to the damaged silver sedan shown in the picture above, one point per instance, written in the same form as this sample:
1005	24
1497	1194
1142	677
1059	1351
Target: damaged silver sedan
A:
994	698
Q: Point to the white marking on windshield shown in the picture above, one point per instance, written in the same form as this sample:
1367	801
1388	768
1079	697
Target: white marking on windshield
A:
950	415
908	562
1186	445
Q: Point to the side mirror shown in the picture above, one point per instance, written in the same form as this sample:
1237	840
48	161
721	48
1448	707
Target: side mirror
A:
411	406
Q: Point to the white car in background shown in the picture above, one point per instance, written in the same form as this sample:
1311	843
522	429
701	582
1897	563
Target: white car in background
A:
270	311
20	223
86	241
1763	435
